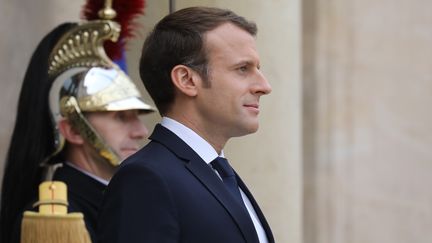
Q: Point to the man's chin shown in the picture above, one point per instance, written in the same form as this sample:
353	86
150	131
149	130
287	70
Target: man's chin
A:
246	130
127	153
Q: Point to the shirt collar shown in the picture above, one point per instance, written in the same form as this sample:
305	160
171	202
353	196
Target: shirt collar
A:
103	181
191	138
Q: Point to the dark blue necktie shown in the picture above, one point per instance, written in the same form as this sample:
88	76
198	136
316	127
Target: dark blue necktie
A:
226	172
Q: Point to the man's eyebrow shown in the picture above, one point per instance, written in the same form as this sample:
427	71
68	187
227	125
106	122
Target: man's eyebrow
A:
247	63
243	62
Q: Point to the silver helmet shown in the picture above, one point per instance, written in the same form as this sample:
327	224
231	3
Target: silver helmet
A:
86	80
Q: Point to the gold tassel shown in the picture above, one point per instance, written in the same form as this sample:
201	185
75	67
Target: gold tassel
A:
52	224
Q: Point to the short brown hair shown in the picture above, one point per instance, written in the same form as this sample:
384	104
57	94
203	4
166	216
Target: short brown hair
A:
178	39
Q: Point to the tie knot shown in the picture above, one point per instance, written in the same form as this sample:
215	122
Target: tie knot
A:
222	166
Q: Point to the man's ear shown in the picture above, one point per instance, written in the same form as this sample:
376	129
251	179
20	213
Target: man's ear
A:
185	79
70	134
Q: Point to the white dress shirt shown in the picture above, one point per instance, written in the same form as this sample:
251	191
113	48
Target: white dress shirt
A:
208	154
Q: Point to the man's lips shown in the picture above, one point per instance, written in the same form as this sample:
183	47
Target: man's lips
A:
252	107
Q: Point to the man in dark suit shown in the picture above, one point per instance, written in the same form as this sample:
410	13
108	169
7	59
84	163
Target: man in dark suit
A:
202	69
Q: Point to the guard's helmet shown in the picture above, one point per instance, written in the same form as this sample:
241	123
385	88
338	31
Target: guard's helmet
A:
86	80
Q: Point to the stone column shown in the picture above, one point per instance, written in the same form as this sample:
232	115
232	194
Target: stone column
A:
367	126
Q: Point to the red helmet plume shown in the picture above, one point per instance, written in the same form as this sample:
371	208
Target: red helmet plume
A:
126	11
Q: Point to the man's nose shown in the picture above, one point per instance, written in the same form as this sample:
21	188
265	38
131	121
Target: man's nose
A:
139	130
262	85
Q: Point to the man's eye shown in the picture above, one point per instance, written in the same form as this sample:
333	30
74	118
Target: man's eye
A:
243	68
121	116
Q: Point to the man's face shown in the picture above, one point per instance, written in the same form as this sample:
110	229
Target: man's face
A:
230	106
121	130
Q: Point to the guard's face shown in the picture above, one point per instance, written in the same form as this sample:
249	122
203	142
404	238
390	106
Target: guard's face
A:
123	131
230	106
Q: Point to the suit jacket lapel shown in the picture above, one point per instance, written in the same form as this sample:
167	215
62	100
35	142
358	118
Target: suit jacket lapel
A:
213	183
258	211
209	179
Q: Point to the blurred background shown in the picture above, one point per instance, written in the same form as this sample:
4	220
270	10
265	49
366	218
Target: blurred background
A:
343	154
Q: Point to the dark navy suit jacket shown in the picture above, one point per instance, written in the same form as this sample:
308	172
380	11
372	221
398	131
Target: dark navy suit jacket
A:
166	193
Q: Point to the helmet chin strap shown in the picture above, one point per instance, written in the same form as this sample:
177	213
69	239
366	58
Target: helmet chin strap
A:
70	109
